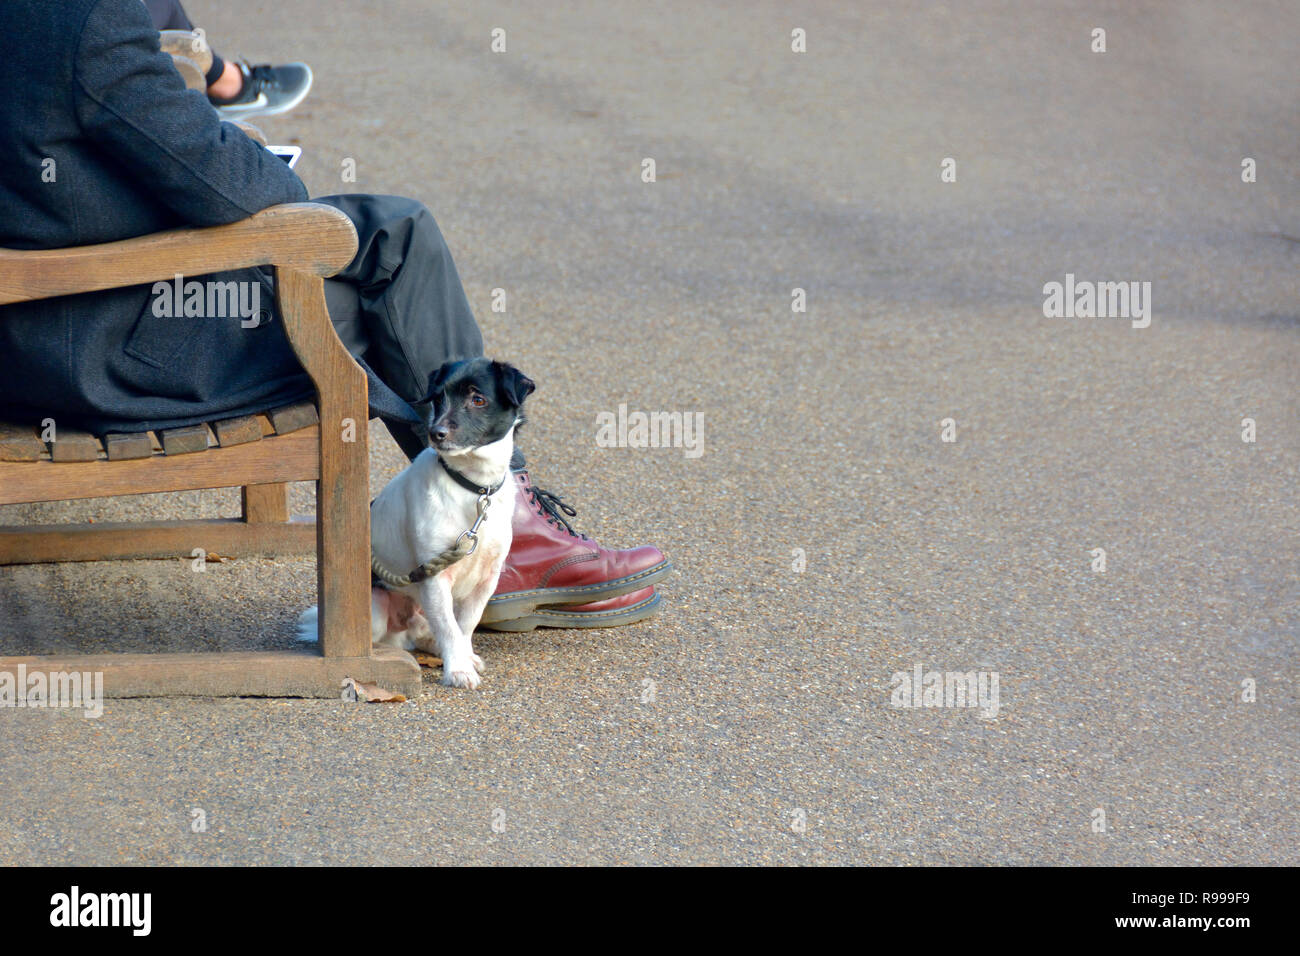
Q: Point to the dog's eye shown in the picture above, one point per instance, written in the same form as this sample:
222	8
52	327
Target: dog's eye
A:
478	401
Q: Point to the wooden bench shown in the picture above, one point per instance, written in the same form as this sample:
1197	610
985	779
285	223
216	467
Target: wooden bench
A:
191	56
304	242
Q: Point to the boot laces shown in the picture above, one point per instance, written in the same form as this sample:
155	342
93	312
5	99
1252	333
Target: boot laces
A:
260	77
554	509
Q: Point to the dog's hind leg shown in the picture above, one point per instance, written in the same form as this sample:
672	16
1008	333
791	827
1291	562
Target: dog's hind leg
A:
396	620
454	645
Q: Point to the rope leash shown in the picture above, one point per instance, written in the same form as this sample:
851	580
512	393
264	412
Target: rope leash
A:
453	554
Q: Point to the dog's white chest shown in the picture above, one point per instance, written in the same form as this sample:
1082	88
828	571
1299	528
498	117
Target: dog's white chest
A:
471	573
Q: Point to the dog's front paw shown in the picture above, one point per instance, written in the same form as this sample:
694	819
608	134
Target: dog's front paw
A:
478	663
461	676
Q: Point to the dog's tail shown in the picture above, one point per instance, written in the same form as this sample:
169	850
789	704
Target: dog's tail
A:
309	620
309	625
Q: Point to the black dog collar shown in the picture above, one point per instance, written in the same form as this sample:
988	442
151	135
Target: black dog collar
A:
480	490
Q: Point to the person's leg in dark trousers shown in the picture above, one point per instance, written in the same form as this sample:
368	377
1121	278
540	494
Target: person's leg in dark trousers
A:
399	305
168	15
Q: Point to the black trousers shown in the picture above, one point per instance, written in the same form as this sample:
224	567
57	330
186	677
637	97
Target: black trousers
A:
168	15
399	306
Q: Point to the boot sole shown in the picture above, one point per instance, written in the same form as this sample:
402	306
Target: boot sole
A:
558	617
520	604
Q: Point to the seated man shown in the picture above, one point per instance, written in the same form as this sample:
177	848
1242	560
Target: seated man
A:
237	90
106	143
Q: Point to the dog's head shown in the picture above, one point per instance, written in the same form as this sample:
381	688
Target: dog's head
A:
475	402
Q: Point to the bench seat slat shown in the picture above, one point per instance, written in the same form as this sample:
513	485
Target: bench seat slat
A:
72	445
237	431
20	443
122	446
186	440
290	418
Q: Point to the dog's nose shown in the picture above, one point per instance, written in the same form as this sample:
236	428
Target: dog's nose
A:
439	433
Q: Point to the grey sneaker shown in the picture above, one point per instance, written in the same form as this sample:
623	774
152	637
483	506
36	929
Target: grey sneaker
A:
267	90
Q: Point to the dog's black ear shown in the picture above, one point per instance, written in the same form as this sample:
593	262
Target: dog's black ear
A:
516	385
438	377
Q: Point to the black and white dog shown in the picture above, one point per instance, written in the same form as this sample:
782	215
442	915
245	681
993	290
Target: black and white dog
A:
460	483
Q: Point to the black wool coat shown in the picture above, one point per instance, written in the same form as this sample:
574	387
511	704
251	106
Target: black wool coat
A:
100	141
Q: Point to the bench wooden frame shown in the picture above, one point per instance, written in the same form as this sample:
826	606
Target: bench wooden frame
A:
304	242
191	56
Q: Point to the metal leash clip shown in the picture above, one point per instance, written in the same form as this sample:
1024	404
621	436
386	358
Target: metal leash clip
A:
484	502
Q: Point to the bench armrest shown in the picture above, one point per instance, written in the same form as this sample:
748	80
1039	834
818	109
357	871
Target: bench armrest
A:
188	44
303	237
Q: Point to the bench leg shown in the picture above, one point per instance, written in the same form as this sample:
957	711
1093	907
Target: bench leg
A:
265	504
342	498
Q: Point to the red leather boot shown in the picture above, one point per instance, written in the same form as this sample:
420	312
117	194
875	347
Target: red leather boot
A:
551	564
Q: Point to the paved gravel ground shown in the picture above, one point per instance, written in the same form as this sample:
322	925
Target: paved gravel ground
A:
770	736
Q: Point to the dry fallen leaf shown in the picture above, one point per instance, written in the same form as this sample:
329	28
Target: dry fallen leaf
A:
355	690
426	660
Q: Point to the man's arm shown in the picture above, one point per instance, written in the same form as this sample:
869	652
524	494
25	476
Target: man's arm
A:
130	99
